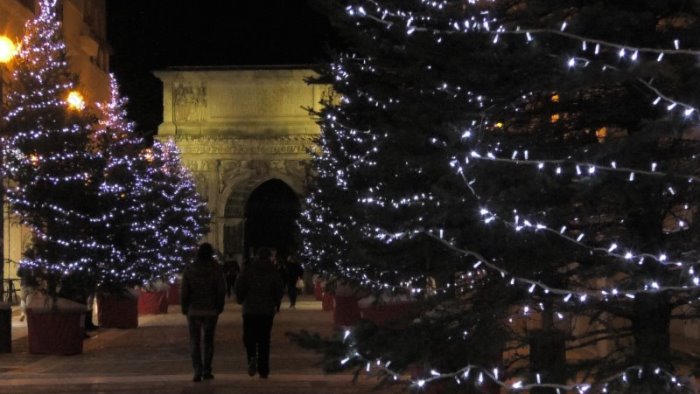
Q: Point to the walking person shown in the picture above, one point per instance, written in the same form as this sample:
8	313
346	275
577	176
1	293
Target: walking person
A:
294	273
259	290
28	284
202	296
231	270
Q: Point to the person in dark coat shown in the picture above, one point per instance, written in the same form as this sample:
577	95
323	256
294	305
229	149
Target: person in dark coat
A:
202	296
259	289
293	271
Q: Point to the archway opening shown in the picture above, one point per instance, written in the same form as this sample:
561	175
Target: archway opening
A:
270	219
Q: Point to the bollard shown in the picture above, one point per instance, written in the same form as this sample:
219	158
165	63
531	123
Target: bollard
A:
5	328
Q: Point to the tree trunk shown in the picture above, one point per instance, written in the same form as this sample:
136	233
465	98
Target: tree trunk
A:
652	342
548	358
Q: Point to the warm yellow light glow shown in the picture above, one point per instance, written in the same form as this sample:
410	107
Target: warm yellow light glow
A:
148	155
601	133
554	118
499	125
555	98
34	159
7	49
75	101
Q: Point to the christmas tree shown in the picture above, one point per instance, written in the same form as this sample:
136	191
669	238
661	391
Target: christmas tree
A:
536	159
181	217
126	196
103	209
54	171
155	215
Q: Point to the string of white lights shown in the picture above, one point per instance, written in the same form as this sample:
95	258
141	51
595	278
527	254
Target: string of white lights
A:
480	375
485	26
597	45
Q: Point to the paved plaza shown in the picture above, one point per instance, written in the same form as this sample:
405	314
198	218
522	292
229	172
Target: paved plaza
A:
154	358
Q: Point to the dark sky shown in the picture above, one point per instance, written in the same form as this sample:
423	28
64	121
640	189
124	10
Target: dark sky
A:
148	35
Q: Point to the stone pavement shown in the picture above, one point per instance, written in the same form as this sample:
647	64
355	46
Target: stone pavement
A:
154	358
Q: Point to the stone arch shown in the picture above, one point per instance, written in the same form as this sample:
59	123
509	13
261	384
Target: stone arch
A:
234	130
271	212
232	208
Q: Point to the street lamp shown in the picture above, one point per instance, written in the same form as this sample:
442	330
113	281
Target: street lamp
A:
8	49
75	101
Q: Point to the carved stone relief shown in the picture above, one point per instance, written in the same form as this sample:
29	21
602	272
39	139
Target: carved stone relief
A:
278	165
227	170
202	185
259	167
199	165
297	168
229	146
189	101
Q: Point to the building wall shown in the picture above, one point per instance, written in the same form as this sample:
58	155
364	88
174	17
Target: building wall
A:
85	32
238	128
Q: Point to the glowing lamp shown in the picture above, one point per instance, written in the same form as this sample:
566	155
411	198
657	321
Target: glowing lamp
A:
34	159
555	98
499	125
554	118
75	101
601	133
148	155
7	49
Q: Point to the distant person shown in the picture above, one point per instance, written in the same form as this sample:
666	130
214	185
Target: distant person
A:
28	283
231	269
259	290
202	296
293	273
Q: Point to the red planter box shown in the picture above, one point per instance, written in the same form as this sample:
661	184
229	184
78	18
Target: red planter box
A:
55	332
327	302
174	294
388	315
346	312
153	302
117	311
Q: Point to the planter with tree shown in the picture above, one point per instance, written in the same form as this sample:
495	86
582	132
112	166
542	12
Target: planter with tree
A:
54	175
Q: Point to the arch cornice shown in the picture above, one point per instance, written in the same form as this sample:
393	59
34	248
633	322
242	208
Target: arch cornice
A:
226	146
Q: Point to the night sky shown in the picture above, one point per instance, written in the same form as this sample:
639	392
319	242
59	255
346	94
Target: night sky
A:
148	35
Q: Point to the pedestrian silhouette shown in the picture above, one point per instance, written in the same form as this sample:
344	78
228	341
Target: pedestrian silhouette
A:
259	289
202	297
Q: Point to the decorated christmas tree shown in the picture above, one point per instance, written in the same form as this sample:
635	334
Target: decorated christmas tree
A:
104	210
126	196
156	217
54	172
538	161
181	217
